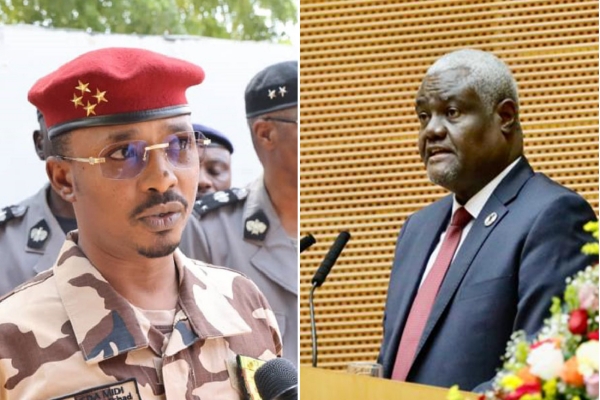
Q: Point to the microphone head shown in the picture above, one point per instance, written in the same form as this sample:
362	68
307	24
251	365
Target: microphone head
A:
306	242
330	258
275	377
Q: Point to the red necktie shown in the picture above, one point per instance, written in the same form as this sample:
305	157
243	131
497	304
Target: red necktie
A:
423	302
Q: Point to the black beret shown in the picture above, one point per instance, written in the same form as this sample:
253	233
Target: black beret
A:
214	135
274	88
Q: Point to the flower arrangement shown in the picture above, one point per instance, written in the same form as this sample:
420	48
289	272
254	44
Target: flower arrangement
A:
561	363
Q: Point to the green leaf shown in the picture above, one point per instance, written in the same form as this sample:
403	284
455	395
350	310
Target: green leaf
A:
231	19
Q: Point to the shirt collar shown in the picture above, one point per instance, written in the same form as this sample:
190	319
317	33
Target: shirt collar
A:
106	325
476	203
258	199
259	205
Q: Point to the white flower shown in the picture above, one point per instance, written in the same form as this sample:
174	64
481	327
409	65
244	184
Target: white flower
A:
587	358
588	296
546	361
591	385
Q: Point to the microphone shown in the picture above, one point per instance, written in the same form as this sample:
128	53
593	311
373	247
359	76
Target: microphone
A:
277	379
330	258
306	242
318	279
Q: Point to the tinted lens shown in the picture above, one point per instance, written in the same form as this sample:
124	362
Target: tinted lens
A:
126	160
182	151
123	160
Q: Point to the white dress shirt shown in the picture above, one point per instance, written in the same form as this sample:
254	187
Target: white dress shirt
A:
474	207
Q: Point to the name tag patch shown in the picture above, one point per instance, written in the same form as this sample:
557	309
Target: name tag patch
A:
123	390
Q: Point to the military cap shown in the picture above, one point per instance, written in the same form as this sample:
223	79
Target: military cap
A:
215	136
274	88
114	86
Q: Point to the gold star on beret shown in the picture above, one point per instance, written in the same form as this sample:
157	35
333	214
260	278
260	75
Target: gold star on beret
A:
77	100
83	87
100	97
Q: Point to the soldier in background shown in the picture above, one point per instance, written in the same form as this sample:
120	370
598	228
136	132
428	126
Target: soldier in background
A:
123	312
33	231
255	229
215	168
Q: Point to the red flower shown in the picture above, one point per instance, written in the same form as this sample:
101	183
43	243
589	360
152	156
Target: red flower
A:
593	335
527	388
578	322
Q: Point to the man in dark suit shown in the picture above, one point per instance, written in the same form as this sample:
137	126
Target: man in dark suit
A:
458	290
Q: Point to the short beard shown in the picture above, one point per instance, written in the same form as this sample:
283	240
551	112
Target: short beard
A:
159	251
446	178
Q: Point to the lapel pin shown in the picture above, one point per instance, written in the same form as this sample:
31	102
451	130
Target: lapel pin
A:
490	219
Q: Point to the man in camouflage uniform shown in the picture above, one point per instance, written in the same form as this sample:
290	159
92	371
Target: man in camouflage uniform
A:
254	230
123	314
32	232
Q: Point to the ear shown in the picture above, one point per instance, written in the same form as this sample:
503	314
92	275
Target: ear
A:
508	113
38	142
61	178
263	132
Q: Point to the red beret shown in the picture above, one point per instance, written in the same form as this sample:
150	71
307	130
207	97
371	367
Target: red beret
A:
114	86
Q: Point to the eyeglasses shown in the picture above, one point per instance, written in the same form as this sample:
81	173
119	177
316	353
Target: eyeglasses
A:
285	120
127	160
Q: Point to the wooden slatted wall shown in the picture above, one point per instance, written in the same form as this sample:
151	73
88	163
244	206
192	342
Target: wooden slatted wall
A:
361	64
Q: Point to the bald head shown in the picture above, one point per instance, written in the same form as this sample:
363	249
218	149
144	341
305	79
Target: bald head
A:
486	74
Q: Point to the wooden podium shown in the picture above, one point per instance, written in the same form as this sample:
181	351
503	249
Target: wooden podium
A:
322	384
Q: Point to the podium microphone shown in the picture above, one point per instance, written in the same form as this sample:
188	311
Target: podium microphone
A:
306	242
318	279
277	379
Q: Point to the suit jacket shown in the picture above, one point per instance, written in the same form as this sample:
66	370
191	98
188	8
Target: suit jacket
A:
501	280
221	236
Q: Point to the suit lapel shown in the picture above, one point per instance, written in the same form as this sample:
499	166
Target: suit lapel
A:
421	239
506	191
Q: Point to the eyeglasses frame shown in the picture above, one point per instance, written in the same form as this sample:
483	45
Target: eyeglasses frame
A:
100	160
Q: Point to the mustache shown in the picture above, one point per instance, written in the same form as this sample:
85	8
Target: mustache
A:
157	198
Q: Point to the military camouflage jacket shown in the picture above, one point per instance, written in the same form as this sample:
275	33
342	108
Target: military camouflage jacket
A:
69	335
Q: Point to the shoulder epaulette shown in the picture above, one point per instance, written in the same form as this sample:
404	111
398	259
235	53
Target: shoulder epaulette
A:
11	212
219	199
